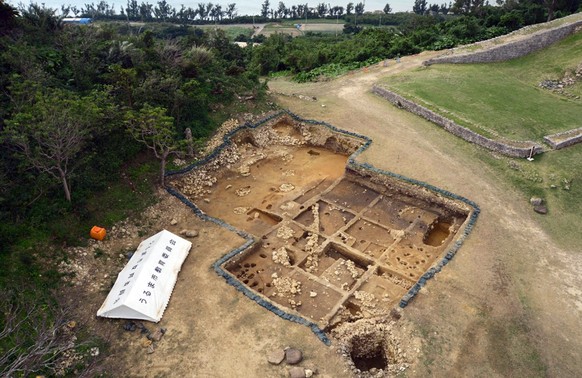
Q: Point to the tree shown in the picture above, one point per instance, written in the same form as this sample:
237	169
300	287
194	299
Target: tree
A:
349	8
387	8
163	11
321	9
231	10
152	127
282	10
359	9
50	134
419	6
132	10
8	16
265	9
468	6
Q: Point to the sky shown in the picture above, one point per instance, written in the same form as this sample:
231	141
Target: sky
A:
247	7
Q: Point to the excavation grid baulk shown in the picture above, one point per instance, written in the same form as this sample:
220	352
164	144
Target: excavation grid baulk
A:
332	244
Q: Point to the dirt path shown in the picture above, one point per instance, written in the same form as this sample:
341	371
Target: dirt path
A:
509	304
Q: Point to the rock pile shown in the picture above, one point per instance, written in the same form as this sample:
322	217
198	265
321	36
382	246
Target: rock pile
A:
569	79
291	356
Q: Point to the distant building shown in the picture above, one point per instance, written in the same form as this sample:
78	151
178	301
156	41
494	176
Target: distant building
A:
245	44
77	20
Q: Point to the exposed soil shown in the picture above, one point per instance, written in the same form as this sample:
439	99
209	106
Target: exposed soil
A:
509	304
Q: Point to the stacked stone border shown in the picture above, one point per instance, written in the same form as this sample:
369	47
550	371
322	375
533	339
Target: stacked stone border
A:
522	149
511	50
218	264
564	139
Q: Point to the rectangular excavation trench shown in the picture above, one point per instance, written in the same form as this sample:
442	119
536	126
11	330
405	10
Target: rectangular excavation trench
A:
332	244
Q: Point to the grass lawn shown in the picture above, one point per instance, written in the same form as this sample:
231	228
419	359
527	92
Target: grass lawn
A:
502	99
555	176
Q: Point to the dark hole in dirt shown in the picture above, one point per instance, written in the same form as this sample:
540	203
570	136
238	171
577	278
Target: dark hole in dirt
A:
263	256
438	233
366	356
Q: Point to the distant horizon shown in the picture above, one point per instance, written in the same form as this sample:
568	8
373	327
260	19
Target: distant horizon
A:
244	8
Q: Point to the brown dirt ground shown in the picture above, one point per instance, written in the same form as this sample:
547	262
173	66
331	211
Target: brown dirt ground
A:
509	304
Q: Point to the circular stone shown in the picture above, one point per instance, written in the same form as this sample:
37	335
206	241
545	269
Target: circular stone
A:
276	357
293	356
297	372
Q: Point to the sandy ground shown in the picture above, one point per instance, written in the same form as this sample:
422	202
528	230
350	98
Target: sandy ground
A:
509	304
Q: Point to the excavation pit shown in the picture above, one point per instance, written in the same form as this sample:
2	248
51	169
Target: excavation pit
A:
369	358
333	241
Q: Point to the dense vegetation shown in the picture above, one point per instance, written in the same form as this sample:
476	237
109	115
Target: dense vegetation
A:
312	55
77	106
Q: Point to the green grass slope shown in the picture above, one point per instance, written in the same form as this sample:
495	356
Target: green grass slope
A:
502	99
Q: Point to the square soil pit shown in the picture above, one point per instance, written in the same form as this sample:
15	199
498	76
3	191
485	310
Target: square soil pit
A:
409	260
260	221
385	293
256	268
386	211
331	218
367	232
314	307
351	195
285	234
339	267
375	250
343	274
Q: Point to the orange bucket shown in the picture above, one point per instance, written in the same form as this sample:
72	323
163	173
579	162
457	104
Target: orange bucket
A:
98	233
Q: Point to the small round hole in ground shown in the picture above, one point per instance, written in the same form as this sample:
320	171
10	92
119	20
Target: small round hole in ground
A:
268	284
362	241
247	265
302	207
269	206
255	283
260	290
251	276
263	256
253	265
246	281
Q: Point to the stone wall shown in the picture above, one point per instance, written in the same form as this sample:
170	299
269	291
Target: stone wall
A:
564	139
521	149
511	50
